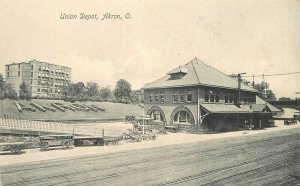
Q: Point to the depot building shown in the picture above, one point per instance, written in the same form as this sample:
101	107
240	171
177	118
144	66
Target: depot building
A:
196	97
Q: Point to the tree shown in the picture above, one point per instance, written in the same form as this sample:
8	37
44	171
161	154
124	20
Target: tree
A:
137	96
262	88
8	92
122	91
105	93
264	91
92	89
2	82
24	91
284	99
79	88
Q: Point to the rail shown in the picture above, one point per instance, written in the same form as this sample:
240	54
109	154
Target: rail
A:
112	129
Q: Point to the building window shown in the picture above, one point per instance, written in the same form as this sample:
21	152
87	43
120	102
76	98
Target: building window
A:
226	99
156	115
230	99
176	76
31	74
175	97
40	69
150	99
156	98
7	74
162	97
31	67
7	67
18	73
217	98
31	81
181	96
206	98
249	100
38	90
19	66
181	117
209	96
189	95
212	98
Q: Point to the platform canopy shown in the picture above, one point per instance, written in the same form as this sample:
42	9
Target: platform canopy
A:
223	108
233	109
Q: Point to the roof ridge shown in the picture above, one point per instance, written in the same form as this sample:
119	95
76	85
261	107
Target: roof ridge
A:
195	70
223	73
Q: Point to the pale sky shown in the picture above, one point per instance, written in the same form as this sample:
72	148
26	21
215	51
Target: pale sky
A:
256	37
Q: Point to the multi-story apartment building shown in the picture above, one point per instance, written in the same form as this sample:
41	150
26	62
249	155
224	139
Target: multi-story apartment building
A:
43	79
198	97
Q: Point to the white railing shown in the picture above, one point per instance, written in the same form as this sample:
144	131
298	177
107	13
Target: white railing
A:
78	128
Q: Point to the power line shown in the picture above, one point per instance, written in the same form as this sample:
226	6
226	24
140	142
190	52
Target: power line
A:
282	74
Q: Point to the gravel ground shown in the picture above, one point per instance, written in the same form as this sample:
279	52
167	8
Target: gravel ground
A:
162	140
269	158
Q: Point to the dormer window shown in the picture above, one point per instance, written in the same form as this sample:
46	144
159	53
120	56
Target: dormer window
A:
177	73
176	76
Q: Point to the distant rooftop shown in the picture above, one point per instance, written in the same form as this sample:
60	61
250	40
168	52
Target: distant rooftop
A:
35	61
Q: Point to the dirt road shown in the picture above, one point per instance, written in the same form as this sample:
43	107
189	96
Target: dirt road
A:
265	159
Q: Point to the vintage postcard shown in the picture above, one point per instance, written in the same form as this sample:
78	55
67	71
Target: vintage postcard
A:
140	92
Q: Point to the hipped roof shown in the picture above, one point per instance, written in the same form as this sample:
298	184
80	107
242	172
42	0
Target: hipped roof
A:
198	73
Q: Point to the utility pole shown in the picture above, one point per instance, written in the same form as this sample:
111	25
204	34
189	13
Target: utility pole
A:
239	88
297	100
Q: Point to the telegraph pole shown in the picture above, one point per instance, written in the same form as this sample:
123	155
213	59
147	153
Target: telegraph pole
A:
298	100
239	88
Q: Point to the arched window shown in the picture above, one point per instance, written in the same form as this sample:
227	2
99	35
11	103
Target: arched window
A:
156	115
181	117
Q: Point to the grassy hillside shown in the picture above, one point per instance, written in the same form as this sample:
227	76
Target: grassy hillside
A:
112	110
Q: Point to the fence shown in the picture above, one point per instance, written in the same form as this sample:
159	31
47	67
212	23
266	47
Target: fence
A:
95	129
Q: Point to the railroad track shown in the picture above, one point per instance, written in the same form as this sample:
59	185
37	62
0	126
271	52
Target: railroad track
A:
160	166
175	149
240	166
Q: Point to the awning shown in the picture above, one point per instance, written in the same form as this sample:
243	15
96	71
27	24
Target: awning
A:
233	109
223	108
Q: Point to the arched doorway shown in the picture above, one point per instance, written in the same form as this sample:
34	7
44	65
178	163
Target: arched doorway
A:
157	114
182	115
